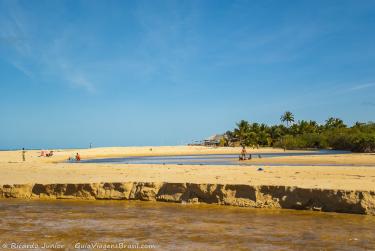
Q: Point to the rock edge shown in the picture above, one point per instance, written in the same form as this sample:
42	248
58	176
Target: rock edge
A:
327	200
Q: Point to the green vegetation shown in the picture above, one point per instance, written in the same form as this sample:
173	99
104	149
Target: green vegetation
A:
287	117
334	134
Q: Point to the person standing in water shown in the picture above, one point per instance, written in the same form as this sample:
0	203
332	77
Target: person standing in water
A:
23	154
243	153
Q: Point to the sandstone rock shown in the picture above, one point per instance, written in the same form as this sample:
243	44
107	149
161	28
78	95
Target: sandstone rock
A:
329	200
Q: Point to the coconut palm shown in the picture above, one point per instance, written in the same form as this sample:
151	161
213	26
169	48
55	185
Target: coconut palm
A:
307	127
242	131
334	123
287	117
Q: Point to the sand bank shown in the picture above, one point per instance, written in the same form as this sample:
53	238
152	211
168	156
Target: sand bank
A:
328	188
103	152
354	159
346	178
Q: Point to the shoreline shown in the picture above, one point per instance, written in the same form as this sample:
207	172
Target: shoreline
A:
348	189
113	152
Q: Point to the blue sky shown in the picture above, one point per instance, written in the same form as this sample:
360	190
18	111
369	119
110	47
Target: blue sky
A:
169	72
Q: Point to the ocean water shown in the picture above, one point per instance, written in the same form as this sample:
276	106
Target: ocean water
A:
167	226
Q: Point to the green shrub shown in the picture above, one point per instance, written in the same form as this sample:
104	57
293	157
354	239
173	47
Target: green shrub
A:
306	134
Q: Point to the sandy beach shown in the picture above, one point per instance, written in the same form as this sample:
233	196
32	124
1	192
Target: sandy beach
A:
151	180
355	159
107	152
54	170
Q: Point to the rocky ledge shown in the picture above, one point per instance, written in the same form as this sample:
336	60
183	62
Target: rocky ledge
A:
328	200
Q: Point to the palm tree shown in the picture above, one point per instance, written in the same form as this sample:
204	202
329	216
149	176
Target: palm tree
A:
242	131
307	126
334	123
287	117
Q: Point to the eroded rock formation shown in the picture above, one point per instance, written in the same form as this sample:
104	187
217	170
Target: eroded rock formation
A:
361	202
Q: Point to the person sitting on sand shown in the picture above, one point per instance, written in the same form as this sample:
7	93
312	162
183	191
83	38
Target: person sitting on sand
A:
78	157
50	154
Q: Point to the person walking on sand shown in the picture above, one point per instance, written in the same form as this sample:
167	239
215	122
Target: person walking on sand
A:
78	157
23	154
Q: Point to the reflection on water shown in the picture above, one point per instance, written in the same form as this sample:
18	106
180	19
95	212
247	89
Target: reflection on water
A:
207	159
181	227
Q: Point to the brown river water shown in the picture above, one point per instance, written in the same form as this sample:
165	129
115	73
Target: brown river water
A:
166	226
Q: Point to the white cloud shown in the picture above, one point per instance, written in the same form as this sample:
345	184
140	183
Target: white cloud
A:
22	68
361	87
81	81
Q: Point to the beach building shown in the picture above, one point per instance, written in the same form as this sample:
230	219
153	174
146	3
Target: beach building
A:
214	140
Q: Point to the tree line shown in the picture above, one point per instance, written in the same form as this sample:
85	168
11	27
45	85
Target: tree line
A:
303	134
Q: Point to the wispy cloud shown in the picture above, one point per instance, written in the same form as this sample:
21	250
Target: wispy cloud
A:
79	80
22	68
351	87
22	48
361	86
169	41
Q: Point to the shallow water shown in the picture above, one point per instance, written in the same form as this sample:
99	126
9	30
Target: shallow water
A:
207	159
180	227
